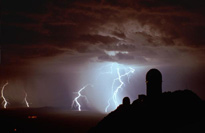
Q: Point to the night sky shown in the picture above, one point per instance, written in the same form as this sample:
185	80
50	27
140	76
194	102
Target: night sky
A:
51	49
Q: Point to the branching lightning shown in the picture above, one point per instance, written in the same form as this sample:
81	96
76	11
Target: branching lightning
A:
5	102
25	99
118	72
116	90
108	105
75	101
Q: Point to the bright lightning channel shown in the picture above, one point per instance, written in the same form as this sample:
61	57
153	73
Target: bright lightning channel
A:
75	101
115	91
25	99
5	102
114	67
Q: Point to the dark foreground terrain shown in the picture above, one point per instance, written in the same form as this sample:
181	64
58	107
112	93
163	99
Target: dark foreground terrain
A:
47	120
180	111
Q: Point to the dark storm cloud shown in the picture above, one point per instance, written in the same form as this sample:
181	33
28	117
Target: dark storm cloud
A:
94	39
109	25
120	47
122	56
105	58
119	34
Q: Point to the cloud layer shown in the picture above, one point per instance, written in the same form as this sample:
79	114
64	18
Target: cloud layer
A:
139	27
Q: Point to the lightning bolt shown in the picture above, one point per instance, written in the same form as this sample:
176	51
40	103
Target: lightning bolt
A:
116	90
114	69
25	99
108	105
5	102
75	101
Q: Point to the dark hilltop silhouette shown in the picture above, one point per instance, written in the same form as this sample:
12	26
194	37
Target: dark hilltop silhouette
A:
178	111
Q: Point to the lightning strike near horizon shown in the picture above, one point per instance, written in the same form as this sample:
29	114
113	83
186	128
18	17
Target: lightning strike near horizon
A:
75	101
25	99
120	86
5	102
116	72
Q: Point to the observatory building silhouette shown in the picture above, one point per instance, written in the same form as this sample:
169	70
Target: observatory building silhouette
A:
177	111
154	83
